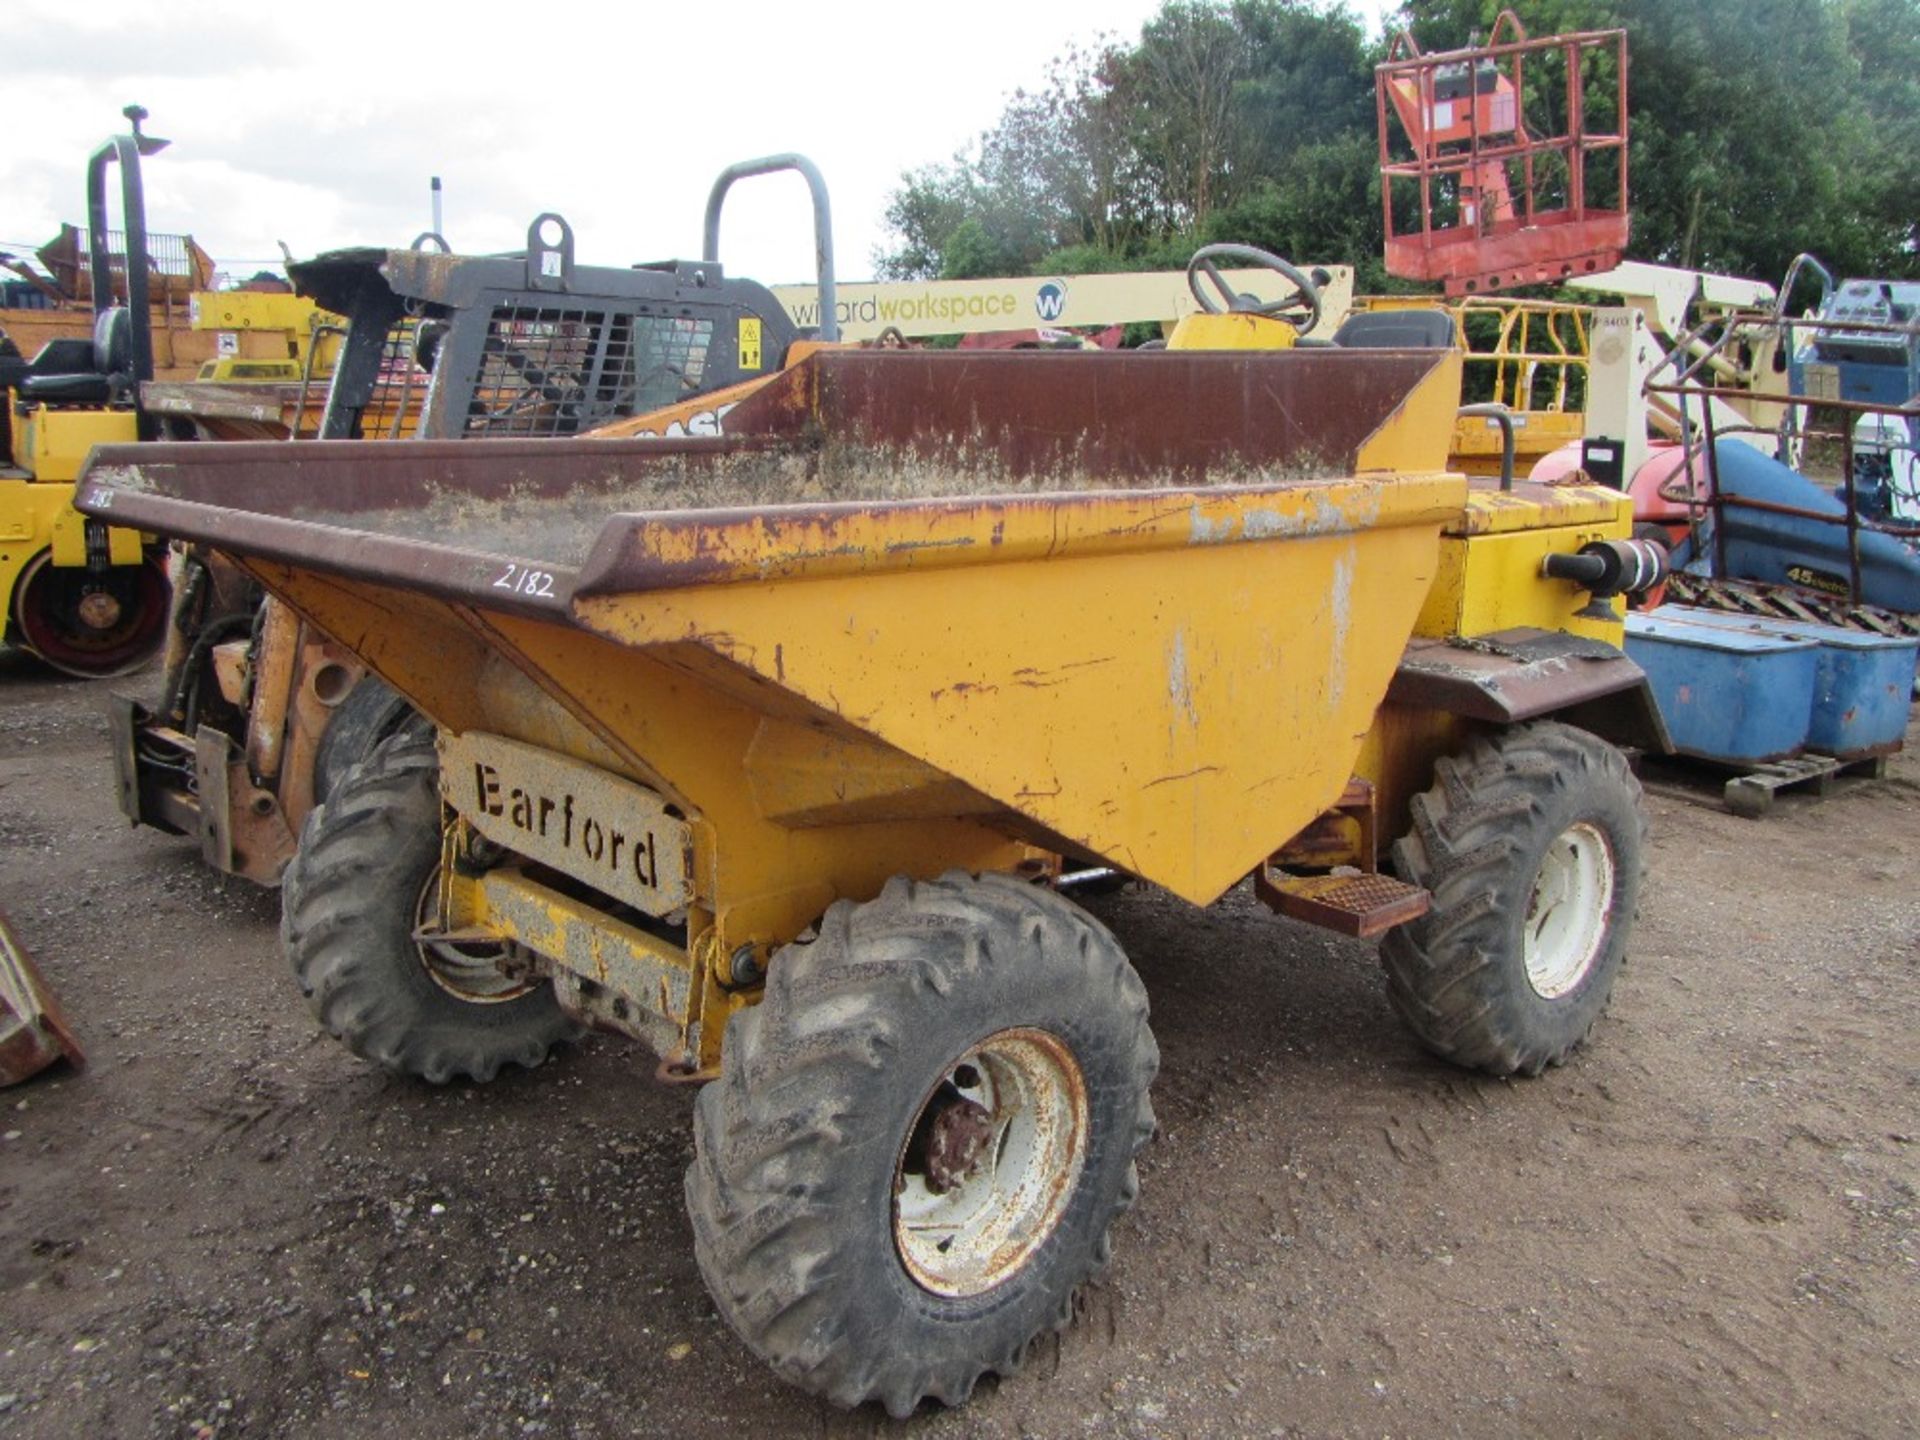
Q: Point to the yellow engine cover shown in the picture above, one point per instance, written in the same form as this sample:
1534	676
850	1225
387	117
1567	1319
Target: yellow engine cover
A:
1489	574
1231	332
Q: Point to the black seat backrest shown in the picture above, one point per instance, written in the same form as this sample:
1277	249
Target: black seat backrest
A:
80	372
1396	330
113	341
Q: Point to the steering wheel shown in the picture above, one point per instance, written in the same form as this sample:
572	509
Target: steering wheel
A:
1299	307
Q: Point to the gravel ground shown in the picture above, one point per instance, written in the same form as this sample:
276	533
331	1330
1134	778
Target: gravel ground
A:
1704	1225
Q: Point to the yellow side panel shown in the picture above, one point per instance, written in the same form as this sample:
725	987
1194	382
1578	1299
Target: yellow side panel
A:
1416	435
1182	711
123	546
57	441
28	513
69	537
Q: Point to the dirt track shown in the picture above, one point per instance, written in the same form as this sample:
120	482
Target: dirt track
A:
1707	1224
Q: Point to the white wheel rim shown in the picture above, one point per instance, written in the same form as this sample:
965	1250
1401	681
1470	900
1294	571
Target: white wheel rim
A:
1010	1117
1566	920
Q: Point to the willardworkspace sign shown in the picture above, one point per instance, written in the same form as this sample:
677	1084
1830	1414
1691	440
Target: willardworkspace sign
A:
947	307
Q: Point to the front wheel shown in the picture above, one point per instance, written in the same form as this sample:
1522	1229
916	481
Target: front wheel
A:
364	884
920	1138
1531	842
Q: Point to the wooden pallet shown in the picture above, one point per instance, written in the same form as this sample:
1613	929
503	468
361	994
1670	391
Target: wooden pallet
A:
1751	794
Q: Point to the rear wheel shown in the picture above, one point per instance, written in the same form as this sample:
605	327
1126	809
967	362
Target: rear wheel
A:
1532	844
920	1138
364	882
91	623
372	713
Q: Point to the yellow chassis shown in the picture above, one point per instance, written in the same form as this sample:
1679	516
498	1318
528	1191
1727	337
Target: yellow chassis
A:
36	498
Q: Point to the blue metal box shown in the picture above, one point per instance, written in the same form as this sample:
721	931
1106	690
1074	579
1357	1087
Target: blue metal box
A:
1725	694
1863	683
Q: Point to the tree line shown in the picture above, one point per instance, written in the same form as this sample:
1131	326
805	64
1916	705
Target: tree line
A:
1759	129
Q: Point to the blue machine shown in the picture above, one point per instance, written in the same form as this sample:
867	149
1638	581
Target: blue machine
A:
1749	691
1790	550
1876	368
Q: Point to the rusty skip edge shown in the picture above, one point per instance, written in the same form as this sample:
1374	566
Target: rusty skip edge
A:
670	549
534	588
624	558
272	480
123	485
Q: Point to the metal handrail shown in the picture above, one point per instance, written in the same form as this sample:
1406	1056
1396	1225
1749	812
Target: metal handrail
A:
1503	417
822	225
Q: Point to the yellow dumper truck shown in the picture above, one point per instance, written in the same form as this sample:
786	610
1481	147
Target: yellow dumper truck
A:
763	748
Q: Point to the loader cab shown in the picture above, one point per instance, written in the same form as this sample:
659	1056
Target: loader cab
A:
531	344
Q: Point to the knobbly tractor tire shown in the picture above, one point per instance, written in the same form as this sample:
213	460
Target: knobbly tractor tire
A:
372	713
964	1061
1532	844
364	878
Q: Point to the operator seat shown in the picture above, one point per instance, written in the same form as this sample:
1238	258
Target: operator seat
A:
1396	330
57	375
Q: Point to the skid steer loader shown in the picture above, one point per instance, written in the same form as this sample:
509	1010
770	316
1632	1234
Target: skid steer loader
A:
260	714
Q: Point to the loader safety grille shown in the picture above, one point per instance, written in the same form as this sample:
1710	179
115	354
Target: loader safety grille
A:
400	392
671	355
554	371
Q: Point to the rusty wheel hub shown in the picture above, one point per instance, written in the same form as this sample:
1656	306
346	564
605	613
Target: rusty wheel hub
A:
959	1132
98	610
990	1163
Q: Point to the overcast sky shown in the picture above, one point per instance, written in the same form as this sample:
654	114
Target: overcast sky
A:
320	124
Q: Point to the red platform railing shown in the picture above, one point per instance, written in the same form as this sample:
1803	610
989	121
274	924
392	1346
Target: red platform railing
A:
1505	192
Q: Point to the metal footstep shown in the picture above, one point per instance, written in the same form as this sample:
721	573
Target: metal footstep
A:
1751	795
1354	904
